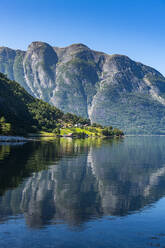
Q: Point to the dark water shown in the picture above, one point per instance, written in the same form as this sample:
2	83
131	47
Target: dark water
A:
83	193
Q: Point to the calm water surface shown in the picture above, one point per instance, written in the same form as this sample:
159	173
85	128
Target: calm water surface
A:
83	193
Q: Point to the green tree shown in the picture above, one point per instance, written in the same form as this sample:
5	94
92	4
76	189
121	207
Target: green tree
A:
56	131
5	128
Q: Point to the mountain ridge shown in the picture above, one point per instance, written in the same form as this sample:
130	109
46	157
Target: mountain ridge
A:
107	89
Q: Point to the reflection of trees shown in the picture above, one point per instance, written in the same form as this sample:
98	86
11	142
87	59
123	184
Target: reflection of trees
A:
19	162
86	178
4	151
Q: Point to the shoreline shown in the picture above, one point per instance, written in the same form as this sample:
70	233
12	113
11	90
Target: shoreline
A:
19	139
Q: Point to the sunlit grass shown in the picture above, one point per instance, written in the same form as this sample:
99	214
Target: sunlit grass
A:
66	131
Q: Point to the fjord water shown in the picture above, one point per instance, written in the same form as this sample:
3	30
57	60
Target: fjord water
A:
83	193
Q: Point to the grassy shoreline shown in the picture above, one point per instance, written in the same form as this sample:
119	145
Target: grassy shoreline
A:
72	132
75	132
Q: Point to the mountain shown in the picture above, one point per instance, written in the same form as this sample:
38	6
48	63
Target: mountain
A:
107	89
26	113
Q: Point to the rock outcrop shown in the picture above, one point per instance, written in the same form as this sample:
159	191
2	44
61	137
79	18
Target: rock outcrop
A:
108	89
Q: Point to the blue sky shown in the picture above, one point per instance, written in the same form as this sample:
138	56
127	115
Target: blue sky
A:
135	28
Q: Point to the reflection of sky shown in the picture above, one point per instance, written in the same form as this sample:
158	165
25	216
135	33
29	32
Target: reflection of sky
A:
135	28
76	201
12	143
143	229
115	178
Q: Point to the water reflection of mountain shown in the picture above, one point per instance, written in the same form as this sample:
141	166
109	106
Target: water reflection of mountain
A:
74	181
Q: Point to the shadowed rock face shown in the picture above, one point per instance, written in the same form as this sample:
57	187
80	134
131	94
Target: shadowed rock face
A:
72	182
108	89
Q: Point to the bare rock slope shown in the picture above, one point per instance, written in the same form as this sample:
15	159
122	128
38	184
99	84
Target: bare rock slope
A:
108	89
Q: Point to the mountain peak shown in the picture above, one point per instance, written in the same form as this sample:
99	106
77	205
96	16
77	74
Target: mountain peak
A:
38	44
108	89
79	45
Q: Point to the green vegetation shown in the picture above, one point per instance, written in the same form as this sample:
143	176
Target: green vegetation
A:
109	89
5	128
84	131
20	113
27	114
136	113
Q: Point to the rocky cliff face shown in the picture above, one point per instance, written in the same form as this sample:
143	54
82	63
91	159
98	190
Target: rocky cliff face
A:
108	89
